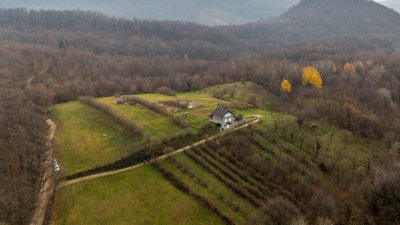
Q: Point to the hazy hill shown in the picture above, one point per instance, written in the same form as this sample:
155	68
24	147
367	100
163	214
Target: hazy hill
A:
395	4
207	12
342	17
360	24
316	19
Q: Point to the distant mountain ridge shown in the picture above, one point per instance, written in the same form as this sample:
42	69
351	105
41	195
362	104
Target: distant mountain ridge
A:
342	17
357	24
208	12
312	18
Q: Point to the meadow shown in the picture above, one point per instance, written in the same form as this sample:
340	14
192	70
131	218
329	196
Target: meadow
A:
155	125
86	138
139	197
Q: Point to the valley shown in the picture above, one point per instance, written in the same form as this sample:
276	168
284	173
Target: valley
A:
291	120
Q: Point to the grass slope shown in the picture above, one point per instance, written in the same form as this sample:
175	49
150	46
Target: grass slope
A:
137	197
154	124
203	101
81	141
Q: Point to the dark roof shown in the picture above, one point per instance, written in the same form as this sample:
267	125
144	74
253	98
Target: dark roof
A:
220	112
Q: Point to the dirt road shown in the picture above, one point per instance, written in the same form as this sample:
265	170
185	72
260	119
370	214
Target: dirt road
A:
47	188
257	119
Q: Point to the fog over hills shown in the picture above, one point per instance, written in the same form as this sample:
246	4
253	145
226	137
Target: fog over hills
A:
207	12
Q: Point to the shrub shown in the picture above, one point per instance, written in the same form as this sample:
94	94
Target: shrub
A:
166	91
177	104
277	211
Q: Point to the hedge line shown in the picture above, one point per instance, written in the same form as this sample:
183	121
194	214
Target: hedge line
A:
184	187
158	109
90	101
133	159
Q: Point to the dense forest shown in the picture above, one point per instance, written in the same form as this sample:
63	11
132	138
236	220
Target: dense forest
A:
75	53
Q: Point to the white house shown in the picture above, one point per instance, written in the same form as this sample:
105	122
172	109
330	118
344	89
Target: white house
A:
223	117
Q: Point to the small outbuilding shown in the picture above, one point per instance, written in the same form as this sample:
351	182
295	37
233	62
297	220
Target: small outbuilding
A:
223	117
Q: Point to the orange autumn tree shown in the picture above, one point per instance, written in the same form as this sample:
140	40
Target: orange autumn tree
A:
286	86
312	76
349	69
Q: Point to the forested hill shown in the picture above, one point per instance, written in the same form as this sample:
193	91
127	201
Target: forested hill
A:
342	17
104	35
316	19
86	21
360	24
209	12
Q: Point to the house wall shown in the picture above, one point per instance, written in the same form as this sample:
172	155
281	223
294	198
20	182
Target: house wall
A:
228	118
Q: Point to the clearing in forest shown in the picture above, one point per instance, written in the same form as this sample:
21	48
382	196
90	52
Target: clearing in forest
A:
86	138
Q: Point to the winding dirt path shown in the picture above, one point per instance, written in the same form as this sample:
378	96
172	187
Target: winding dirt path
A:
47	189
47	183
257	118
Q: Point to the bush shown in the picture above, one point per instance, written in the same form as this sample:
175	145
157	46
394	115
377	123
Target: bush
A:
166	91
278	211
177	104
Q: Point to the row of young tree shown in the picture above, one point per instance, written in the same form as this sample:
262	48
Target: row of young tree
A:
309	196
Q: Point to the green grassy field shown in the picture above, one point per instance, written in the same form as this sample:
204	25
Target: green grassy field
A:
140	196
86	138
204	103
153	124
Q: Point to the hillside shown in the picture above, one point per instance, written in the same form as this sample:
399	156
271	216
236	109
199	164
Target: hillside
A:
352	22
342	17
314	20
327	144
224	12
289	167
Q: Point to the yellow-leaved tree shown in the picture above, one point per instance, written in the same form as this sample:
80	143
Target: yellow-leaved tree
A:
286	86
312	76
349	69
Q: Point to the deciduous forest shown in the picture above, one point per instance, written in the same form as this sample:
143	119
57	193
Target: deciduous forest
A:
346	76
